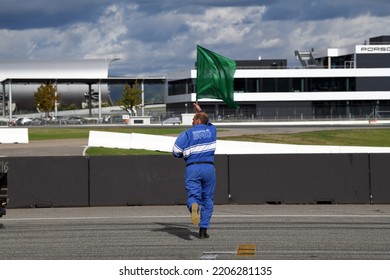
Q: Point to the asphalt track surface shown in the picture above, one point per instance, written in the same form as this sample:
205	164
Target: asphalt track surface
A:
279	232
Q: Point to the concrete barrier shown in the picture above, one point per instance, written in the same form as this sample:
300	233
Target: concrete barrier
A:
152	142
10	135
241	148
131	141
224	147
109	139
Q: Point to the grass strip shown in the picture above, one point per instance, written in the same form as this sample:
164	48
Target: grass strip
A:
352	137
97	151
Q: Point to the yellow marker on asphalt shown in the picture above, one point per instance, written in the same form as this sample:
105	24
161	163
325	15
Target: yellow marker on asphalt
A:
246	250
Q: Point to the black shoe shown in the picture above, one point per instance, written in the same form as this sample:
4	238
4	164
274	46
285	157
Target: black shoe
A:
203	233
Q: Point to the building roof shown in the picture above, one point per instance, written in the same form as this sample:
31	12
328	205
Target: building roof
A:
55	69
92	81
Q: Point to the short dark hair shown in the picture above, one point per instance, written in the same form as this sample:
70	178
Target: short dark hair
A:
203	117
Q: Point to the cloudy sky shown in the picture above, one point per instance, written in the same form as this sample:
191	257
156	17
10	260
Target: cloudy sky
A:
158	37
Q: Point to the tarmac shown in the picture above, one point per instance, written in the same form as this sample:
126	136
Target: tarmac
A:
44	148
278	232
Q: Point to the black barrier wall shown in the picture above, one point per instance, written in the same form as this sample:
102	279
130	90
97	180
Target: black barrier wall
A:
380	178
159	180
135	180
145	180
300	178
47	181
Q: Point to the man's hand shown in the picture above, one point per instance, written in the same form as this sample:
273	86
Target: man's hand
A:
197	107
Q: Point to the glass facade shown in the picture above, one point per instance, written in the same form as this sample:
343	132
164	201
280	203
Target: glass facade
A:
289	110
187	86
181	87
294	84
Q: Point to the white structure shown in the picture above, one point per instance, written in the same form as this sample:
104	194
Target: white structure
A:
72	73
78	81
13	135
165	144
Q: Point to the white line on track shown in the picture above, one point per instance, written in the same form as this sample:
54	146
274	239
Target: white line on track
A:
186	216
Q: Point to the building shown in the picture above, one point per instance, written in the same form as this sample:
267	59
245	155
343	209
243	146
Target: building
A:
336	83
22	78
75	79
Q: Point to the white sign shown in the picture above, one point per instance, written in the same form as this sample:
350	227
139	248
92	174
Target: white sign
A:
373	49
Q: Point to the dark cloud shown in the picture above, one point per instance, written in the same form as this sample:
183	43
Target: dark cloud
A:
195	6
303	10
21	14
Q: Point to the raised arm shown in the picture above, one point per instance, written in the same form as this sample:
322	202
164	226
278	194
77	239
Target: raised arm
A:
197	107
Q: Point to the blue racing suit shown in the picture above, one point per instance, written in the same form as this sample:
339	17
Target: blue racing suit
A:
197	147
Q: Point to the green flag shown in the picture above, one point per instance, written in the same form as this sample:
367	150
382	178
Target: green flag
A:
215	76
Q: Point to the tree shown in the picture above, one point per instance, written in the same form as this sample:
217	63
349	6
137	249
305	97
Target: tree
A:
131	97
46	97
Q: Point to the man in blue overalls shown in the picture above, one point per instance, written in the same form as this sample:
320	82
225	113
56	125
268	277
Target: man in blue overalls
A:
196	146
